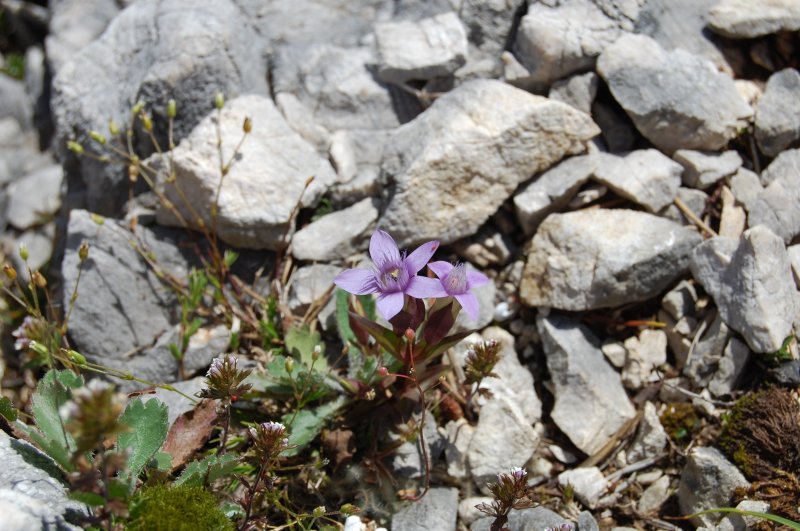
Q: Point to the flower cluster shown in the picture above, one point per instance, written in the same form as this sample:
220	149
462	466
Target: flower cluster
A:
394	276
269	440
481	359
510	492
93	414
31	329
224	380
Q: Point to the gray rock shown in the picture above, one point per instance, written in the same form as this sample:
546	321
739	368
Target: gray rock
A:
707	481
586	522
456	163
437	510
39	242
457	437
590	402
680	24
752	285
122	309
695	200
489	247
551	190
681	300
746	187
336	86
654	496
152	51
35	197
733	219
263	186
619	135
742	19
743	522
794	258
703	360
407	459
588	483
644	353
467	510
31	498
337	235
778	112
425	49
14	101
557	39
600	258
701	170
650	438
578	91
775	205
74	24
178	404
301	119
525	520
646	177
733	361
308	284
503	438
675	99
356	154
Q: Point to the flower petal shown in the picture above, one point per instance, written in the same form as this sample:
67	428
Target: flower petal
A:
421	255
356	281
476	278
382	248
440	268
424	287
470	304
390	304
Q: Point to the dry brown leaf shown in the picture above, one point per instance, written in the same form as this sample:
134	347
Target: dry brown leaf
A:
190	432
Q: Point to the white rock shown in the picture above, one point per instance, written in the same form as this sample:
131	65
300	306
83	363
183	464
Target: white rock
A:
745	19
703	169
708	481
742	522
778	112
650	438
654	496
457	435
746	187
590	402
588	484
424	49
675	99
264	184
578	91
751	283
646	177
337	235
733	361
599	258
308	284
775	205
35	197
644	353
455	164
733	219
357	154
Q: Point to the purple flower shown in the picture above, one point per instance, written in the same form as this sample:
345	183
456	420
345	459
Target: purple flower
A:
393	275
458	282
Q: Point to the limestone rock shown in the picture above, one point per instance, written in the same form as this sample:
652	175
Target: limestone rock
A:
590	402
455	164
650	438
701	170
778	112
743	19
578	91
752	285
675	99
708	481
601	258
337	235
646	177
437	510
588	483
264	183
35	197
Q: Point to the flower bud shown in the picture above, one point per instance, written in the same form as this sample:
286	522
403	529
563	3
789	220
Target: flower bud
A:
113	128
219	100
247	126
348	509
318	512
38	348
133	172
10	272
75	147
137	108
23	251
147	122
97	137
383	372
76	357
289	365
172	109
83	251
39	280
316	352
410	334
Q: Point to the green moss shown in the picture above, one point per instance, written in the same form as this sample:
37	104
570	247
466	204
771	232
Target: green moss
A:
180	508
680	421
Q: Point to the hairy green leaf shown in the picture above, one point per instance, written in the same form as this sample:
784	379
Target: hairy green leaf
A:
7	409
148	423
52	437
208	470
301	342
307	424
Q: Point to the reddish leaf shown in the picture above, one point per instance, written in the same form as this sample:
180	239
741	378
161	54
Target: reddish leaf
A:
383	336
190	432
339	444
439	324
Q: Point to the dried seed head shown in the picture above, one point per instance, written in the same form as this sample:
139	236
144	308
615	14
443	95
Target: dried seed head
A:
247	126
83	251
10	272
39	280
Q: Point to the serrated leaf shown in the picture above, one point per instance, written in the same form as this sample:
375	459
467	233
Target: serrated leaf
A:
208	470
7	409
163	461
69	379
52	436
307	424
148	423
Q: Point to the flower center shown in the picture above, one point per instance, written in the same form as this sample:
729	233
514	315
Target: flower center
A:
455	283
392	277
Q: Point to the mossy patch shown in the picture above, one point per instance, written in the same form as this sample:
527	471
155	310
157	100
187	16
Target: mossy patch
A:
680	421
180	508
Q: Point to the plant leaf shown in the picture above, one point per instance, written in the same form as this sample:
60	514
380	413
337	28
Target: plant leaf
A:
190	431
148	423
385	337
52	436
208	470
7	409
791	524
431	351
300	343
308	423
